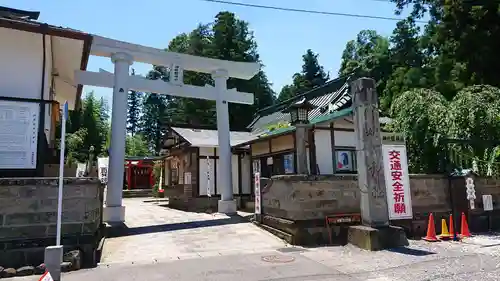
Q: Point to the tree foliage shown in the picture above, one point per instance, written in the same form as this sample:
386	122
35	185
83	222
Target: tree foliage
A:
228	38
311	76
86	127
419	114
438	81
134	110
136	146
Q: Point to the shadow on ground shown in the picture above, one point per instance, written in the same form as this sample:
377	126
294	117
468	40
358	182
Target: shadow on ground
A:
410	251
120	230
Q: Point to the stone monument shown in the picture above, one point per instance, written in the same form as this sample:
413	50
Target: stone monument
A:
375	233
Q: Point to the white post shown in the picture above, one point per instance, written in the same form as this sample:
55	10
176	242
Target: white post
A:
114	212
227	204
53	254
61	174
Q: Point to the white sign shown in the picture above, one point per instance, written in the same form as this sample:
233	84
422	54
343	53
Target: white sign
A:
256	166
470	188
209	192
18	134
102	165
269	160
487	202
187	178
46	277
397	181
257	193
80	170
471	191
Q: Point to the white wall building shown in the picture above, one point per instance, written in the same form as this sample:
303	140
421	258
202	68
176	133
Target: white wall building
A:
331	141
194	152
36	77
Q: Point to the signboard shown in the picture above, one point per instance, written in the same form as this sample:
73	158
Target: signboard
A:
269	161
187	178
344	160
256	166
341	219
487	202
209	192
288	163
471	191
102	166
80	170
258	203
397	181
18	134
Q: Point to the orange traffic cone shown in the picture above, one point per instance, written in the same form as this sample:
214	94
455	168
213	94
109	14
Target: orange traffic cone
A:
445	235
465	227
431	230
452	229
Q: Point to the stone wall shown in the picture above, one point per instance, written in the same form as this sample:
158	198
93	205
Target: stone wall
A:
298	204
299	197
28	216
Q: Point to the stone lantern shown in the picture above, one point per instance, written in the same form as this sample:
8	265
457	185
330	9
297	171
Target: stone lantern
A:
299	117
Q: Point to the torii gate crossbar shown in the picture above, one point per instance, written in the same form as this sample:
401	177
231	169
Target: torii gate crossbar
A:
123	54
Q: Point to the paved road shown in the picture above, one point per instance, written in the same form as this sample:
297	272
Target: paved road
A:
157	233
419	262
165	244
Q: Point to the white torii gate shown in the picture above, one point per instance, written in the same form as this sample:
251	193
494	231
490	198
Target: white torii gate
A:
123	54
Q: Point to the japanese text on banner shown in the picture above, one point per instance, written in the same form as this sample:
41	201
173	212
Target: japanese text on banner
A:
397	182
399	206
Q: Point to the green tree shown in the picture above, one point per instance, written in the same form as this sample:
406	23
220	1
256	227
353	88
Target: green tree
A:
136	146
134	110
228	38
232	40
86	126
74	141
474	114
94	124
420	115
460	41
185	110
311	76
151	121
368	55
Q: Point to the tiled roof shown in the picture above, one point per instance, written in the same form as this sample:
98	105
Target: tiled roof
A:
331	97
209	138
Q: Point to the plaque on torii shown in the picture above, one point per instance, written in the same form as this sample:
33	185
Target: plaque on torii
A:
123	54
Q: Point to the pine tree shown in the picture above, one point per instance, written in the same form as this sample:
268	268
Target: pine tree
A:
312	75
134	110
232	40
154	108
312	72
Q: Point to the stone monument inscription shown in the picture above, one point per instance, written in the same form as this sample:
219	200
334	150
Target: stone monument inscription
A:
371	179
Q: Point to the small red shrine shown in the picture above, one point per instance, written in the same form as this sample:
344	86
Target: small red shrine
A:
139	172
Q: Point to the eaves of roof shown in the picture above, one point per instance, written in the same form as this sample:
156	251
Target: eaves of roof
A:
290	129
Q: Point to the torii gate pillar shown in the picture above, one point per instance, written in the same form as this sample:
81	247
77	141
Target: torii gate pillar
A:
114	212
227	204
122	54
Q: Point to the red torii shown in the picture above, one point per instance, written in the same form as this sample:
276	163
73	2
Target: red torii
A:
139	164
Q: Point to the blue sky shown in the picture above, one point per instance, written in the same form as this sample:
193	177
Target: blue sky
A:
282	37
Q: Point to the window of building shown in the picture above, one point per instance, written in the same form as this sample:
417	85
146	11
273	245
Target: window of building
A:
277	164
